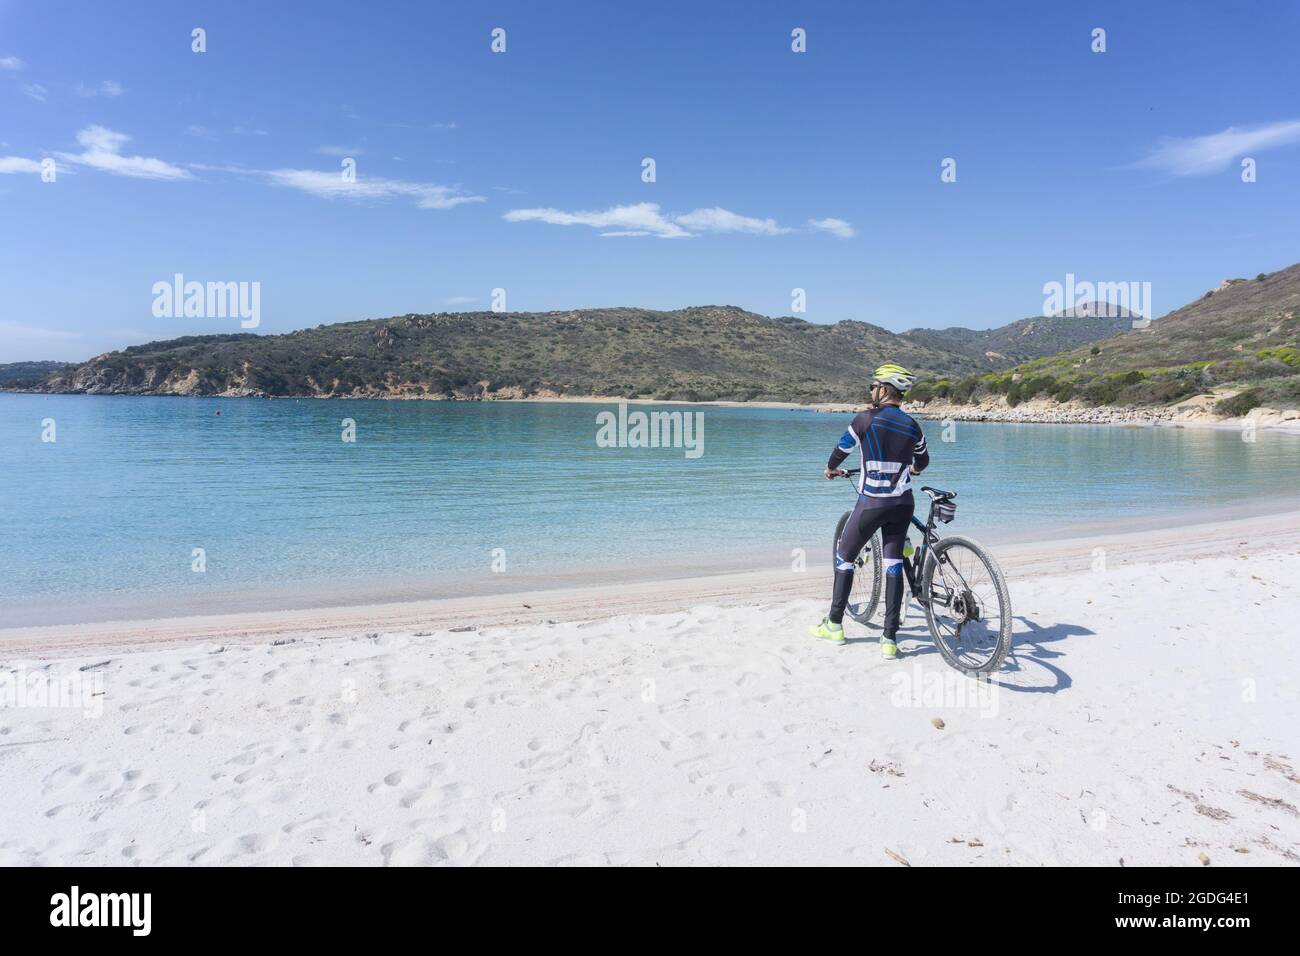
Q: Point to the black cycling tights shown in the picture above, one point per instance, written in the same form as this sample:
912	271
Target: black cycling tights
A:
892	521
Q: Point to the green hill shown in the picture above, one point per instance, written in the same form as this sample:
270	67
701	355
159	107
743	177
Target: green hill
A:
1021	341
21	374
1241	336
705	353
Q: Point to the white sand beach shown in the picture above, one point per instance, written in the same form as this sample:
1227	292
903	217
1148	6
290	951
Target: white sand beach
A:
1147	715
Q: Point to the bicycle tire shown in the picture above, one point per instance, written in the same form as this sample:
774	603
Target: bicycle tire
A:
936	555
863	610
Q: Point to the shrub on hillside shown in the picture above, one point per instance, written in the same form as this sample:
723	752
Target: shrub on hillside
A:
1028	387
1281	393
1285	354
1107	389
1063	390
928	391
1239	404
962	391
922	392
997	384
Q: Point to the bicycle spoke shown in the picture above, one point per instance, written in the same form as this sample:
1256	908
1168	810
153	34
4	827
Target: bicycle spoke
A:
966	612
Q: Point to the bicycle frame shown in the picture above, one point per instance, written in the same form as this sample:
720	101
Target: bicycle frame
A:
913	564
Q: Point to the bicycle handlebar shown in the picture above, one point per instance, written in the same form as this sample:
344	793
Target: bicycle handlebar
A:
934	493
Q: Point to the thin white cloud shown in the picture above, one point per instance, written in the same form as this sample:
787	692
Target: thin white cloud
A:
31	333
1201	155
35	91
716	219
418	125
218	168
103	88
18	164
331	185
642	218
460	300
647	219
199	132
248	131
340	150
103	151
11	63
836	227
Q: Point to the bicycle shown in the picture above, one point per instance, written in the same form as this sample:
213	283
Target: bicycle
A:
969	618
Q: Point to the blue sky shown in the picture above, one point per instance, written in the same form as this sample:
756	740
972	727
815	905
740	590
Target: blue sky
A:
1115	166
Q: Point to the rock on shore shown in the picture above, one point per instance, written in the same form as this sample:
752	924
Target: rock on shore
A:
1197	411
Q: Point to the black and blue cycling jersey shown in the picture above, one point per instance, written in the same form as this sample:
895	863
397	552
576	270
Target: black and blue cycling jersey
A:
891	447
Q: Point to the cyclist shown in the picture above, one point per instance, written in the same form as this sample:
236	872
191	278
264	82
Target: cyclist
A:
891	448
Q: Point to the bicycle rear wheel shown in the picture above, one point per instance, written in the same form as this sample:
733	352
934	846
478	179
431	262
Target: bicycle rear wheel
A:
864	596
967	606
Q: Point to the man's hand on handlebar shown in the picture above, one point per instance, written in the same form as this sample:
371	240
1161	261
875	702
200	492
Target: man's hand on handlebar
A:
835	473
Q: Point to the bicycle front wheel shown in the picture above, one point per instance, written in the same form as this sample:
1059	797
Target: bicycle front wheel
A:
864	596
967	606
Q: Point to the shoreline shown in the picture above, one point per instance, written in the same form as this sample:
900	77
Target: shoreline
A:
1037	412
1190	414
1143	718
335	593
1238	536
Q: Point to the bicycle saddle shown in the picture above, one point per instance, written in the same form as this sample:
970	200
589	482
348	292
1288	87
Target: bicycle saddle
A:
938	495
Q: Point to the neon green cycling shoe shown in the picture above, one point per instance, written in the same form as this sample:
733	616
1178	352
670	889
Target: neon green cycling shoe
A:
827	631
888	649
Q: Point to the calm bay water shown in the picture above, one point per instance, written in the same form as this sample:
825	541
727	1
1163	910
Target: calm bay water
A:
116	505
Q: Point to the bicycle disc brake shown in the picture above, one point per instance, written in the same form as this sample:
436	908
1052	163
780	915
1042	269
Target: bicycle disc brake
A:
965	606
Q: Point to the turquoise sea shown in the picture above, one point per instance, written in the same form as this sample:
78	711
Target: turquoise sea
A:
434	496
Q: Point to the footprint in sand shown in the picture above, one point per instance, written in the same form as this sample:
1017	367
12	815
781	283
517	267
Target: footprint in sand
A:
426	847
